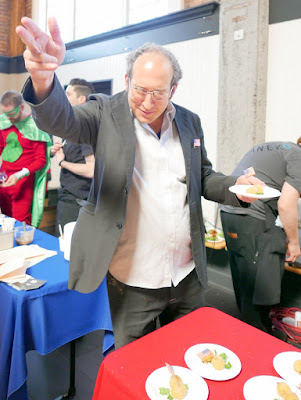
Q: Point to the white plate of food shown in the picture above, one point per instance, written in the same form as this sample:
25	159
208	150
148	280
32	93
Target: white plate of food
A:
157	385
208	369
288	366
267	387
268	192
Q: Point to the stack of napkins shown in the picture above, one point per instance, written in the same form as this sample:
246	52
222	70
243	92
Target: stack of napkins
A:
14	263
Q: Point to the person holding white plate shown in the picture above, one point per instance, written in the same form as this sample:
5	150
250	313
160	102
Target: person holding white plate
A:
257	247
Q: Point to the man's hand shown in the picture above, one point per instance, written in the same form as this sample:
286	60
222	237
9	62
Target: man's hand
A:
251	180
293	252
55	148
11	181
60	155
43	54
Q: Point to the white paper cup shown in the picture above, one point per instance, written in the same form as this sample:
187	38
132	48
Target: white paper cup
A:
68	231
61	242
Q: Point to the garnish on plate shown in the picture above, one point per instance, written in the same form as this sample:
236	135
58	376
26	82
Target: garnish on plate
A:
218	361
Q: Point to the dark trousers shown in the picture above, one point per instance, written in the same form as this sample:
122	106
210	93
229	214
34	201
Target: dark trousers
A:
135	311
242	234
67	211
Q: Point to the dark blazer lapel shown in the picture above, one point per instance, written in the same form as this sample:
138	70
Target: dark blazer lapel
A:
125	126
184	133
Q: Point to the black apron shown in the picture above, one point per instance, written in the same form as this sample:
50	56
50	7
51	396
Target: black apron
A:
270	259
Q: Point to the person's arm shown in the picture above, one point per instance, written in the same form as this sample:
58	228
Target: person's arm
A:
37	162
86	170
42	56
288	213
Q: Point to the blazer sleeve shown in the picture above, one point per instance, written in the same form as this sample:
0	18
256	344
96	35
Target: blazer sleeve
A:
55	115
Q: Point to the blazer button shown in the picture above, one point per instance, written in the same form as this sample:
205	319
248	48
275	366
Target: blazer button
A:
119	226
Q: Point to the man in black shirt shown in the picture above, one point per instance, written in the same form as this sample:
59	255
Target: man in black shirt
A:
76	162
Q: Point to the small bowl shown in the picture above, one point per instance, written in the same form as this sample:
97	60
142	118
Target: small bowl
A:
24	236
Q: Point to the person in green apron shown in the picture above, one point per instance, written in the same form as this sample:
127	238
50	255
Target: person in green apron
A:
25	160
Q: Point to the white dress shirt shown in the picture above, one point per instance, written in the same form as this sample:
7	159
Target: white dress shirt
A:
154	250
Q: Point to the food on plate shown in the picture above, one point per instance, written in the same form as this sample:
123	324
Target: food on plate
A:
285	392
283	389
291	396
218	362
255	189
206	355
297	366
177	388
214	235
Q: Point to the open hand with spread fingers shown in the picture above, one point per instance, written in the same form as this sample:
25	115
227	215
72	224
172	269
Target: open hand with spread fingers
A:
43	54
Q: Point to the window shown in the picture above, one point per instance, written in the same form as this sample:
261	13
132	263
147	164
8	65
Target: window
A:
78	19
64	13
147	9
101	16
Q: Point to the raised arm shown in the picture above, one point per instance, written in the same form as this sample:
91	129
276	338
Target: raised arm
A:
43	54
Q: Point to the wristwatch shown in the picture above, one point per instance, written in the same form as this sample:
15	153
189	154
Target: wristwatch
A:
61	163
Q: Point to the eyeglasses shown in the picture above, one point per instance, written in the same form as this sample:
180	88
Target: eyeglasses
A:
157	95
13	112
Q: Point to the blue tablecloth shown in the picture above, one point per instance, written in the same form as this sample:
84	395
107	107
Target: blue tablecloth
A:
45	318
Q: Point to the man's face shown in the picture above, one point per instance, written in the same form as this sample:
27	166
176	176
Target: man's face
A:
151	71
72	96
14	114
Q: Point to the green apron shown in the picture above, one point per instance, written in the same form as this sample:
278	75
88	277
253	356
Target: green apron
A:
28	128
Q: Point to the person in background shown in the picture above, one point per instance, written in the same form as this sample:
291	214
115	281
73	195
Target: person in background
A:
142	225
76	161
25	158
256	246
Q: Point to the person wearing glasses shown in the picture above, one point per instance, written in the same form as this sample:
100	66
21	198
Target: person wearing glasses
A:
25	159
142	225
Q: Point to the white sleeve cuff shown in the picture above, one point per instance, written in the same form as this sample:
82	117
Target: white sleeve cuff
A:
22	173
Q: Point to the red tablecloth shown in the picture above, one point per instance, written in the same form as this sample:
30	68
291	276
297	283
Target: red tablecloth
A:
123	373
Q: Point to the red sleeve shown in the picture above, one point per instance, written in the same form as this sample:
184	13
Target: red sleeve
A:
38	161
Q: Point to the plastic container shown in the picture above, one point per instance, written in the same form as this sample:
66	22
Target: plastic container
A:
6	239
24	236
61	243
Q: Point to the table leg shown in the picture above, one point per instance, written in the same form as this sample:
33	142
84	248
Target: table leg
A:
72	389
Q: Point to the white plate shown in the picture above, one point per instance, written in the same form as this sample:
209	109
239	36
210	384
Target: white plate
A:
197	387
206	370
263	387
284	365
268	192
220	239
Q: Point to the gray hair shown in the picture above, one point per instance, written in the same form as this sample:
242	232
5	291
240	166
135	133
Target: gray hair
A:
11	97
155	48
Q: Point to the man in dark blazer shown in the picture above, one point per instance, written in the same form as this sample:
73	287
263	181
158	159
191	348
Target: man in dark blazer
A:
142	225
